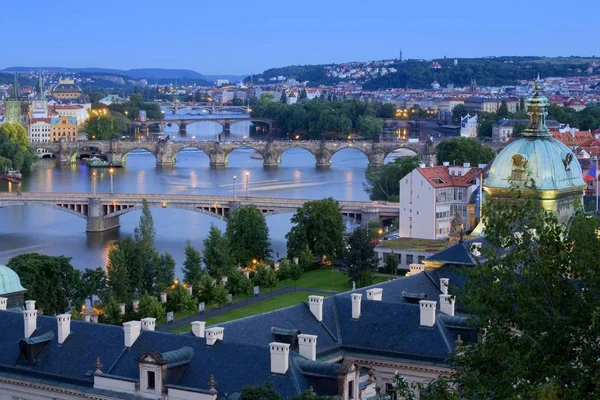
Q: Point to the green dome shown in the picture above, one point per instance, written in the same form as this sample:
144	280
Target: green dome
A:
9	281
550	164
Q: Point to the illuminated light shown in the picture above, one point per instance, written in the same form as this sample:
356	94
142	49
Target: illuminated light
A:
164	205
254	261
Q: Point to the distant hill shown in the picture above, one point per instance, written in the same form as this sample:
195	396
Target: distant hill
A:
139	73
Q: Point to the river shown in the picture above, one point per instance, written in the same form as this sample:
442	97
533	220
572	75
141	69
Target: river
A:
53	232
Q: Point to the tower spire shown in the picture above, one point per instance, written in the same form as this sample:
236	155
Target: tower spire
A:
40	88
15	89
537	109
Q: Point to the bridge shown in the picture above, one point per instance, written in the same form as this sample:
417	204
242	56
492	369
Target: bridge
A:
226	121
211	108
102	210
218	152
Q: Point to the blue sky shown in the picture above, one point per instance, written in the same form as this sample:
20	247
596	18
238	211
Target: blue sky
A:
235	37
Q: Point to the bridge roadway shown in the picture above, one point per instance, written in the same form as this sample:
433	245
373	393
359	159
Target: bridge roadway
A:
218	152
102	210
226	121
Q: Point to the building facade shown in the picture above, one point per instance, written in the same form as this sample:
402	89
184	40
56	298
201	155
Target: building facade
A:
468	126
66	89
40	130
63	128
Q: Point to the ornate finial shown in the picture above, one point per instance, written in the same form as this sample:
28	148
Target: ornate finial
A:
537	110
312	390
458	342
212	384
97	366
371	373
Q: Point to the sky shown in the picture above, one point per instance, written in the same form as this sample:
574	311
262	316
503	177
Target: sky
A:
243	37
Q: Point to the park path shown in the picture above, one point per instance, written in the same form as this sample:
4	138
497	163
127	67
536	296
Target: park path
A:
234	306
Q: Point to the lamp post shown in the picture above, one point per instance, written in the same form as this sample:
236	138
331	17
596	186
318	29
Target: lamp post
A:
247	182
234	188
94	183
110	171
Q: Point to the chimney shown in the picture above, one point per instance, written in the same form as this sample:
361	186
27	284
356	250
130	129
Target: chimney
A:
213	334
198	328
64	327
475	247
466	165
481	166
307	346
136	305
427	312
148	324
447	304
280	357
190	290
163	297
30	318
416	269
3	303
316	306
132	331
444	285
356	297
431	165
446	164
374	294
122	308
422	165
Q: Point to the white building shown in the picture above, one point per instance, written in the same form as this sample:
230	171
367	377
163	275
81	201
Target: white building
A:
79	112
468	126
430	197
40	130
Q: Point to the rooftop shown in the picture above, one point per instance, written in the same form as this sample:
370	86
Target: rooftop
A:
427	245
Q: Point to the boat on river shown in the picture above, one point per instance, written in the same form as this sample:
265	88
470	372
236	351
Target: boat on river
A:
97	162
11	175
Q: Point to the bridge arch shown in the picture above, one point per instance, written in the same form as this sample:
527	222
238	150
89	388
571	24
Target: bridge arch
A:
190	147
295	145
137	149
82	213
247	146
217	211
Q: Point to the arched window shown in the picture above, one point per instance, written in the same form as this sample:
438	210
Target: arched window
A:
518	169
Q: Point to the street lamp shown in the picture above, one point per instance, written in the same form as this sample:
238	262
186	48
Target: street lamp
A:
234	188
247	182
110	171
94	183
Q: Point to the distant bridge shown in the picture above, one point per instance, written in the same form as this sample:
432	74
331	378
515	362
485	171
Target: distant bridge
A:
102	210
222	119
218	152
211	108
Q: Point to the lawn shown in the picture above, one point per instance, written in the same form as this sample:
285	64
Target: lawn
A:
325	279
275	303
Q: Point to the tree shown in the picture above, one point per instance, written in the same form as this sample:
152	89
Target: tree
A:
192	266
206	288
306	259
360	259
93	282
112	311
459	111
102	125
165	271
248	230
461	150
144	235
319	225
149	306
284	269
220	296
237	283
133	261
179	299
536	305
14	147
118	278
15	133
296	273
383	183
522	104
386	110
369	127
51	281
260	392
265	276
503	109
217	253
283	98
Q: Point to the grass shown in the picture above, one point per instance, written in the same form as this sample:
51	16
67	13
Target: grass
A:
272	304
427	245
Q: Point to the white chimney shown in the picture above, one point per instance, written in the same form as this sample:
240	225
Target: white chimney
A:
190	290
280	357
148	324
427	312
30	305
466	165
356	297
444	285
132	331
213	334
3	303
481	166
30	319
374	294
475	249
316	306
64	327
136	305
122	308
446	164
163	297
422	165
307	346
198	328
431	165
416	269
447	303
86	317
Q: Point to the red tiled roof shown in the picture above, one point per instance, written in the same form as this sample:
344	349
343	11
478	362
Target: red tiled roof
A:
443	173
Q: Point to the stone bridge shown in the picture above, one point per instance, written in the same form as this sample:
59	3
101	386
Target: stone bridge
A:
222	120
218	152
102	210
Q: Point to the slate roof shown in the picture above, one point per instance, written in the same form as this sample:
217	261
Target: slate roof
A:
456	254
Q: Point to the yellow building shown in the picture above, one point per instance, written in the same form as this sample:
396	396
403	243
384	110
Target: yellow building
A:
63	128
66	89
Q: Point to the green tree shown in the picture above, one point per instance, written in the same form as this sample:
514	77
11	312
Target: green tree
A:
461	150
296	273
220	296
306	259
206	288
75	314
386	110
369	127
133	260
260	392
149	306
112	311
319	225
144	235
14	148
179	299
15	133
237	283
383	183
503	109
248	230
265	277
118	277
283	98
284	269
101	125
360	259
217	253
459	111
165	271
192	267
522	104
93	282
50	280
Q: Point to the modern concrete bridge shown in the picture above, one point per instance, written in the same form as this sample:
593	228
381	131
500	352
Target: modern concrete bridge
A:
102	210
218	152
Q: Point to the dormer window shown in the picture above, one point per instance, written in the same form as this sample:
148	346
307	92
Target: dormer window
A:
438	180
151	380
518	169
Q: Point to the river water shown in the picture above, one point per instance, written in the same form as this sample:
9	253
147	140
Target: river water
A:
48	231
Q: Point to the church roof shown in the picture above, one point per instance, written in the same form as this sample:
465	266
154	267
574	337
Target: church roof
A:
9	281
63	87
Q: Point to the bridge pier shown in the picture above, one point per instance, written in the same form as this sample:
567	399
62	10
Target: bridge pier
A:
323	161
376	159
217	160
226	128
96	222
63	158
367	217
115	157
182	128
270	160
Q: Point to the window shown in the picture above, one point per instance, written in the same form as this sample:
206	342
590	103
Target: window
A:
151	380
390	391
421	258
409	259
351	389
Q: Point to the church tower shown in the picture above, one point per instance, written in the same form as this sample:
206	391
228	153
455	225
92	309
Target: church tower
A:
13	112
40	104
